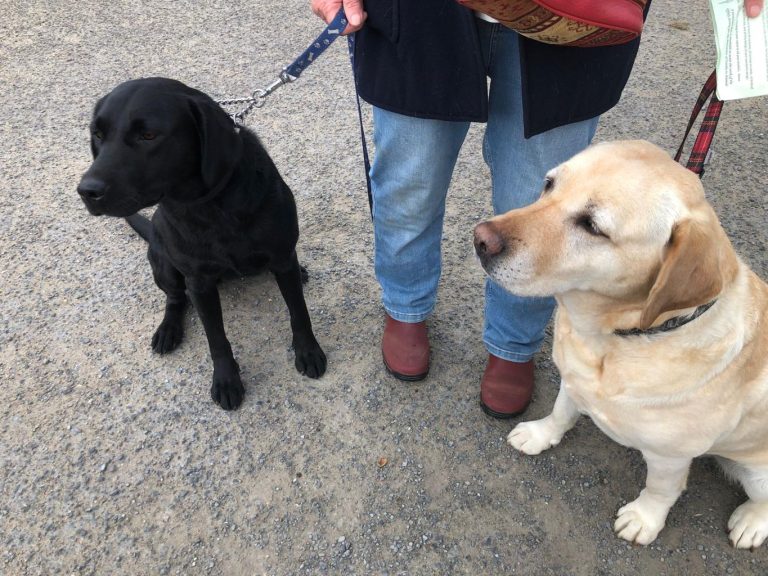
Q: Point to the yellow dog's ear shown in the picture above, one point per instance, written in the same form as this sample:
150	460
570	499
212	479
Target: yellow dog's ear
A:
698	260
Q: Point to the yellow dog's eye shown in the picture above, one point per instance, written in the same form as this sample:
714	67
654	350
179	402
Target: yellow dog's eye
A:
549	182
588	224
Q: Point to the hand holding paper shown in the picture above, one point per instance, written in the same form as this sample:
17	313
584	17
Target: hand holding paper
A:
742	48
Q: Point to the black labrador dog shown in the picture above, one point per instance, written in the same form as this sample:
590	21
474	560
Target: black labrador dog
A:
222	210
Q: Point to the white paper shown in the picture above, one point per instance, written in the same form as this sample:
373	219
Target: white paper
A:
742	50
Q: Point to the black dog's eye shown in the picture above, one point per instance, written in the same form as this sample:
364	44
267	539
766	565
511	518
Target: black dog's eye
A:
587	223
549	182
147	135
98	134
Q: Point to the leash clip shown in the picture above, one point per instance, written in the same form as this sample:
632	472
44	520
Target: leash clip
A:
290	73
283	78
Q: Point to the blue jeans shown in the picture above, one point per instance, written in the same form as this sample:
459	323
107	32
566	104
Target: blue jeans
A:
410	176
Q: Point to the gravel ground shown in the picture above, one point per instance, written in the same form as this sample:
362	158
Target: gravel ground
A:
115	461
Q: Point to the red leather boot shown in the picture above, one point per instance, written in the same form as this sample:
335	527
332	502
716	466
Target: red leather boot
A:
506	387
405	348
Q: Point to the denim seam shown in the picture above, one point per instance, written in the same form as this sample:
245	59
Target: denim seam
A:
408	316
507	355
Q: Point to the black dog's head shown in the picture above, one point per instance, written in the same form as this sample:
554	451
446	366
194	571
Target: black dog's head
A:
155	139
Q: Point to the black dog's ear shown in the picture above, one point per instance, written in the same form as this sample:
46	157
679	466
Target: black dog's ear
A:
220	143
93	119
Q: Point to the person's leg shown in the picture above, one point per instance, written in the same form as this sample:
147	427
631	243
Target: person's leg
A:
410	175
514	326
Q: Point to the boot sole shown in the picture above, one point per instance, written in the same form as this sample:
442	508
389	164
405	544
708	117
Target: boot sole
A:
501	415
405	377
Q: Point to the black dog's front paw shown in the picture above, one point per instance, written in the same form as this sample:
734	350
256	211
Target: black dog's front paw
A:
227	389
310	359
167	337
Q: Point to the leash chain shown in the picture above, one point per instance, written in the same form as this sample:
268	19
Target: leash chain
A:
257	99
290	73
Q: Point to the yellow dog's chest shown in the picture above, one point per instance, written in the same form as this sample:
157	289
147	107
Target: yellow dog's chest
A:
638	398
601	386
582	370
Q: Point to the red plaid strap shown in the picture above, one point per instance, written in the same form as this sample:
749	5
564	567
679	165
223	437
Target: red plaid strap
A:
700	149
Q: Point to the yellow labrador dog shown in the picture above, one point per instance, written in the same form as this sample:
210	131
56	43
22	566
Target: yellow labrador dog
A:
660	333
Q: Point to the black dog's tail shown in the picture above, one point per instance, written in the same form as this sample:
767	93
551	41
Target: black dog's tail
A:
141	224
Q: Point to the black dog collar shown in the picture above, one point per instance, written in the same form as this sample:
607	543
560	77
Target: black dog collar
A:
669	325
215	191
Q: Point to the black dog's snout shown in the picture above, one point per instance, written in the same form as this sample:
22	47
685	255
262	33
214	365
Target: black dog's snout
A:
91	189
488	241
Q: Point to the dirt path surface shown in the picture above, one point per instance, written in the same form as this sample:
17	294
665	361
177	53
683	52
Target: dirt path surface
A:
115	461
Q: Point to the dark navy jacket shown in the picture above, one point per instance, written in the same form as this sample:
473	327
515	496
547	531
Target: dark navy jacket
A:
422	58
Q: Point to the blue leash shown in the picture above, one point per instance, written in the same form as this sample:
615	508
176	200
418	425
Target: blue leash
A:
291	73
326	38
366	159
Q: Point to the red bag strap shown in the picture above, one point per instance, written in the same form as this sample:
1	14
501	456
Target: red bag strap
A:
700	150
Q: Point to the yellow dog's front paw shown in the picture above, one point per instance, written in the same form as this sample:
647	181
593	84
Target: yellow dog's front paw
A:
748	524
640	521
534	437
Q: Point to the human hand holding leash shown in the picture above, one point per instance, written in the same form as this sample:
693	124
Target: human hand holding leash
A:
753	7
327	9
